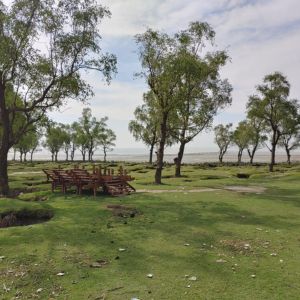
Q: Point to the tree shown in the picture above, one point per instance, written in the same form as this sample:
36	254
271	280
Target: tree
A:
28	144
290	137
156	53
223	138
80	139
272	106
241	138
54	139
145	126
256	136
67	139
106	141
182	82
200	91
43	78
92	129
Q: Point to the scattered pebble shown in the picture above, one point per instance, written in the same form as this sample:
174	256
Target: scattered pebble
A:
60	274
2	257
253	276
39	290
273	254
188	286
193	278
150	275
281	260
186	244
122	249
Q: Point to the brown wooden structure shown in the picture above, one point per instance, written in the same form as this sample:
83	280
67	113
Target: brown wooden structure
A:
100	179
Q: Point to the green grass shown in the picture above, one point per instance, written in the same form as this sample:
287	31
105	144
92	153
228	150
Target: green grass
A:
216	225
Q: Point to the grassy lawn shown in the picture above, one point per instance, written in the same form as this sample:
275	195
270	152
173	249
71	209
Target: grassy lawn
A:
236	244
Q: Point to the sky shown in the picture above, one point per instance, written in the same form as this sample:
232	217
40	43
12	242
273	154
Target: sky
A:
260	36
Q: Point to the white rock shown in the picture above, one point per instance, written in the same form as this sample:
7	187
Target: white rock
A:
281	260
2	257
150	275
186	244
193	278
253	276
122	249
273	254
39	290
188	286
60	274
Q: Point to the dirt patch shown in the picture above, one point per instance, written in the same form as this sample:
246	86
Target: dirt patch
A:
245	189
24	217
242	247
123	211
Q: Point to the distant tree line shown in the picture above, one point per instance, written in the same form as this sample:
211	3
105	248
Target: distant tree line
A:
273	120
85	136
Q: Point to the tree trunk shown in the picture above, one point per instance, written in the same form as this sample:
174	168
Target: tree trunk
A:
104	151
21	156
56	156
288	154
25	156
4	188
273	150
83	155
52	156
151	154
15	151
161	149
31	156
240	154
4	148
67	155
179	159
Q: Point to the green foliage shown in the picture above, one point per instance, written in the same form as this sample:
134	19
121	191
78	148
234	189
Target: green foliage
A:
223	138
273	107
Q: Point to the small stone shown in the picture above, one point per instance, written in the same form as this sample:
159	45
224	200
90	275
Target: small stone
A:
253	276
60	274
39	290
150	275
273	254
188	286
186	244
122	249
193	278
2	257
281	260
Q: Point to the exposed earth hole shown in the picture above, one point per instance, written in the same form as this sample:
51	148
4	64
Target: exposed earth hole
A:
24	217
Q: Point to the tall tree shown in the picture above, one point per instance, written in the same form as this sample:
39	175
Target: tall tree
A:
256	136
223	138
93	129
44	77
168	64
272	106
54	139
290	138
107	141
241	138
200	90
145	126
67	139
